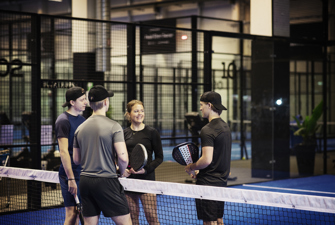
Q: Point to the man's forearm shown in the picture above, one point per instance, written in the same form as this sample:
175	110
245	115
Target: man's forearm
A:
200	164
122	166
66	161
76	156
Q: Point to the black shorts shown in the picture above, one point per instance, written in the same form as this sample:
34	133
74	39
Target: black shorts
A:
104	195
209	210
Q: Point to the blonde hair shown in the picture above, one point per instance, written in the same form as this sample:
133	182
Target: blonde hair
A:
97	105
130	106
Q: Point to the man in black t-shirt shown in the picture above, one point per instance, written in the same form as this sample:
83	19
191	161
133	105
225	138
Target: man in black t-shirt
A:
213	167
69	173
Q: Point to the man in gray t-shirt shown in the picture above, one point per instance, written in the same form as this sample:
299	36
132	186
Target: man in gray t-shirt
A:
99	148
98	155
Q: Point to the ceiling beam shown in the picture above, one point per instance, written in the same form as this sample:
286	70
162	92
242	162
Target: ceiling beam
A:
165	3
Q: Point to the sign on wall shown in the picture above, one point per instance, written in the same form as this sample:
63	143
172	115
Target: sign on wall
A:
158	40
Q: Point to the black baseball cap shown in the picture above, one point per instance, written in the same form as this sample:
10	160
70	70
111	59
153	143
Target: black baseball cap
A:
99	93
72	94
214	98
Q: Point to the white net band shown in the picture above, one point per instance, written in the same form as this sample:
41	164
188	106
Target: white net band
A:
264	198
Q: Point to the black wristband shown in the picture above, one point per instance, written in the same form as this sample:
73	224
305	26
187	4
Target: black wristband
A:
71	179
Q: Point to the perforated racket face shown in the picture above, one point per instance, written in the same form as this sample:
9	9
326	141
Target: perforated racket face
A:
138	157
185	153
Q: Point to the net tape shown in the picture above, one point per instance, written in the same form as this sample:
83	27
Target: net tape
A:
274	199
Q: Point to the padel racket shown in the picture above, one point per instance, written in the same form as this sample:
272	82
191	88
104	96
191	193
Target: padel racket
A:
185	153
138	157
79	208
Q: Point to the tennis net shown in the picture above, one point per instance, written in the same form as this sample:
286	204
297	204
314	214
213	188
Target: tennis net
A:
34	197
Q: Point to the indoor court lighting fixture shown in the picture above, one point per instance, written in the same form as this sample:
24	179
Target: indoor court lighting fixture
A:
184	37
279	101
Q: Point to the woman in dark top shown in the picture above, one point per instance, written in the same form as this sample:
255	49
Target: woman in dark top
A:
138	132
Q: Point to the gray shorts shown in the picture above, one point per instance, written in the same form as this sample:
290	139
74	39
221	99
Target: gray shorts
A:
104	195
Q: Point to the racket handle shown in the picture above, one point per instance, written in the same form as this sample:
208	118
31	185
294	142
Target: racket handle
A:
76	199
79	207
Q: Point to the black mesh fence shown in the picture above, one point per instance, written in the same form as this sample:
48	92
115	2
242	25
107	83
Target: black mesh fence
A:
166	64
42	56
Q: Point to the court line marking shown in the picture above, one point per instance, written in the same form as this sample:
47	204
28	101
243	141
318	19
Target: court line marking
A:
289	189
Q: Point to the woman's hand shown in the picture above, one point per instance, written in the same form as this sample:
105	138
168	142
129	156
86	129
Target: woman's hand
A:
141	171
